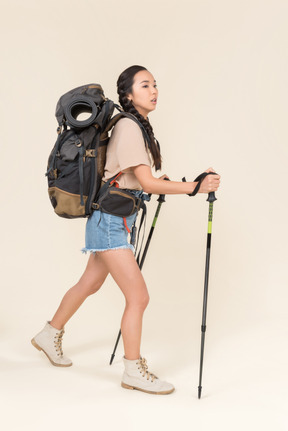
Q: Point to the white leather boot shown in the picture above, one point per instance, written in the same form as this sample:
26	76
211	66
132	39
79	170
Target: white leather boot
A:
137	376
49	340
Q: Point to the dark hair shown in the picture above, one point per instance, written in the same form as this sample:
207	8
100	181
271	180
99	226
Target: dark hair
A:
124	87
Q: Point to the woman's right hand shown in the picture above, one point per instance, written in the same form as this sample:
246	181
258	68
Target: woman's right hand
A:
210	183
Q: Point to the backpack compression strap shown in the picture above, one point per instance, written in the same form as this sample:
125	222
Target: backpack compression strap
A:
199	179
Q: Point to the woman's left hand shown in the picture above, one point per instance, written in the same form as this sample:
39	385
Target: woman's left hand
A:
163	177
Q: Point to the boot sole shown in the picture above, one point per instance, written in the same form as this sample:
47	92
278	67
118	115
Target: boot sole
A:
33	342
124	385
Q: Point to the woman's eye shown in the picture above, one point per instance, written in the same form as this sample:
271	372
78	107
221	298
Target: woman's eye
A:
146	86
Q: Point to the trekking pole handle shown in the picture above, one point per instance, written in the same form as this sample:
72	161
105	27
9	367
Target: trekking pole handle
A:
162	197
211	196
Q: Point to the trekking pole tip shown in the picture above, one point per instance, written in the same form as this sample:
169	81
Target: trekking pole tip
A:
112	357
199	392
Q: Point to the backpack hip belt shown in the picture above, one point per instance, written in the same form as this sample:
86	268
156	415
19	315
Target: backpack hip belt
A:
116	201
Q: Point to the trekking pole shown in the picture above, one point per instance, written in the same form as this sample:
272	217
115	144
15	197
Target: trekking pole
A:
161	199
211	199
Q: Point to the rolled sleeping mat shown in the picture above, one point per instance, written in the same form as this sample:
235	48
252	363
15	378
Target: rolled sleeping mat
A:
77	106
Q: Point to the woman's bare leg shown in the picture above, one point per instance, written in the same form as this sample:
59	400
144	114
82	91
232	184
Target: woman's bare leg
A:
124	269
90	282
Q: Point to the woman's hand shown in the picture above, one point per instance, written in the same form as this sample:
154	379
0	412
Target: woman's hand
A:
163	177
153	185
211	183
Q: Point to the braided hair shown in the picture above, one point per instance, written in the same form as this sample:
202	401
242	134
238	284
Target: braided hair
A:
124	87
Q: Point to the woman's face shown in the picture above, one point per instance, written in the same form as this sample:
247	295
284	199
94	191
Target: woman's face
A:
144	93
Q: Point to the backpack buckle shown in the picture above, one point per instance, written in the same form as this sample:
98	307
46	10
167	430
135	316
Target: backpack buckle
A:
90	153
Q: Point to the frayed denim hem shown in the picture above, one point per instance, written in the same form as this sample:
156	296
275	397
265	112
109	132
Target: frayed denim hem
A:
96	250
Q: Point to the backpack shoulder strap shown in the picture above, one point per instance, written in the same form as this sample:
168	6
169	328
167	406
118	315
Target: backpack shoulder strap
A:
123	114
113	121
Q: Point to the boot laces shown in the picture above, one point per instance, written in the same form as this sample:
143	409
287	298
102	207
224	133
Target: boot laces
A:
58	342
144	370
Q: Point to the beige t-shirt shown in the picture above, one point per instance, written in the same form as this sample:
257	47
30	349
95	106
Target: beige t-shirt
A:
126	149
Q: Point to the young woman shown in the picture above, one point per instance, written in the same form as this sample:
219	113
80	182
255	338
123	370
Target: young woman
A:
106	235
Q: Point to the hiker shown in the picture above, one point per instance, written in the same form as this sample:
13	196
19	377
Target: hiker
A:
107	235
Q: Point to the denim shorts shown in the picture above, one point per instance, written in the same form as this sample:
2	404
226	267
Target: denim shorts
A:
108	232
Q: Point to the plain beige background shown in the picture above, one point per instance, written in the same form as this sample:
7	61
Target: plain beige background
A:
221	68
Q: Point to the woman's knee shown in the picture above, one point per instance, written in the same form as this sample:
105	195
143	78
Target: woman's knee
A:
93	288
139	302
146	300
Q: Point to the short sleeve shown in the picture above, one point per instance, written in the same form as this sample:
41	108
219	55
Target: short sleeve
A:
130	149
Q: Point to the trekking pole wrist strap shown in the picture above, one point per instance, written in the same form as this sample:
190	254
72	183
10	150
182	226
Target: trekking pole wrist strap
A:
198	180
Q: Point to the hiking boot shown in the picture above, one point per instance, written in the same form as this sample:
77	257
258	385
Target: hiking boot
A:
49	340
137	376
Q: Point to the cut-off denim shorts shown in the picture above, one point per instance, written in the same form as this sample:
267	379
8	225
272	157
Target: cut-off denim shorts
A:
108	232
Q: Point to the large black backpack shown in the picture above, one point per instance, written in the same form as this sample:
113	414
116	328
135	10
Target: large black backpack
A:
76	162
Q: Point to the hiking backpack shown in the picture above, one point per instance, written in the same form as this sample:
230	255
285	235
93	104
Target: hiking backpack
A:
76	162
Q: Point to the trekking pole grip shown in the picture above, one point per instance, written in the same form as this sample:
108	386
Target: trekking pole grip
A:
211	197
162	197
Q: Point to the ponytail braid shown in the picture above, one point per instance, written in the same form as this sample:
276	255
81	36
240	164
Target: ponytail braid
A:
124	87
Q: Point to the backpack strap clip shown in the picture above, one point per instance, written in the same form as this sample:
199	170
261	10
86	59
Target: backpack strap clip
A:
95	206
90	153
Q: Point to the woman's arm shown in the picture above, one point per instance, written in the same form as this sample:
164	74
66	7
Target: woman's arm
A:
154	185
